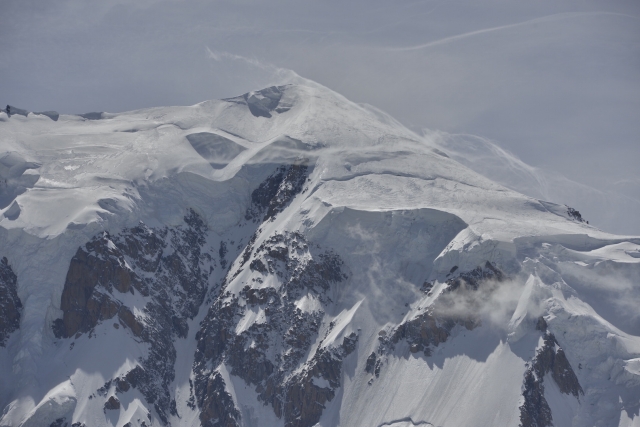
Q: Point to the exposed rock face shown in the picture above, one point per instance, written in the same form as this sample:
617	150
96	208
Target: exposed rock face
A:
433	327
260	334
535	411
10	305
276	192
266	353
262	196
468	280
112	403
422	333
572	213
373	365
472	279
217	406
168	269
94	273
305	399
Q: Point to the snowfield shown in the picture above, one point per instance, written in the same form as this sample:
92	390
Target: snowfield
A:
318	264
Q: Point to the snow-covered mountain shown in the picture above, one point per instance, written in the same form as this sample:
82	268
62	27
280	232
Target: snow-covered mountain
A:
290	258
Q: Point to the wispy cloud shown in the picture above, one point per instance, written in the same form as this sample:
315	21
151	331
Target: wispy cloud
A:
279	72
554	17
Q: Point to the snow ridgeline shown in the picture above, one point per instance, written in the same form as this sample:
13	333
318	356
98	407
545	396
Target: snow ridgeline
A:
301	261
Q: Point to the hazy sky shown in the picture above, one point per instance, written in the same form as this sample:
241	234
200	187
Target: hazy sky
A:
555	82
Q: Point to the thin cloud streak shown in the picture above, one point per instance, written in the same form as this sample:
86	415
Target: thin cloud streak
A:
554	17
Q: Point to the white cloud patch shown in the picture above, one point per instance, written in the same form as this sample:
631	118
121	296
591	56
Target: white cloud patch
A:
494	302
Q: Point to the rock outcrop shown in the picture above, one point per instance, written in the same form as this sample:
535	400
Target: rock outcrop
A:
277	191
549	359
10	305
166	268
260	334
266	353
428	329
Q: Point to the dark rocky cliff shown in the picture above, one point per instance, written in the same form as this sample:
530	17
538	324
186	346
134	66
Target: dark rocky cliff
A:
267	353
549	359
270	354
10	305
168	268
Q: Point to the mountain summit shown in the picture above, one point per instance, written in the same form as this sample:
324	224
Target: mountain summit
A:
290	258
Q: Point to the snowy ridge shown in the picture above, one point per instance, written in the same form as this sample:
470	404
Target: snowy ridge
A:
314	263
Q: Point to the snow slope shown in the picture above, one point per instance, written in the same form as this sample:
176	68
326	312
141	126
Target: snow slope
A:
436	296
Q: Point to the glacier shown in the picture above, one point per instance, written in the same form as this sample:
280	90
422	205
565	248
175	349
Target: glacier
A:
291	258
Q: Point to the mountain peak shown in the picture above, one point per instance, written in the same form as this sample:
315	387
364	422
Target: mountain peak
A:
290	258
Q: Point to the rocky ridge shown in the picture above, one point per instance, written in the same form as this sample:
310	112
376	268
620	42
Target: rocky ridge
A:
262	334
267	352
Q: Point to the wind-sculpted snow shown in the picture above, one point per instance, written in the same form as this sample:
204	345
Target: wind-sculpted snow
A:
290	258
16	176
10	110
215	149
